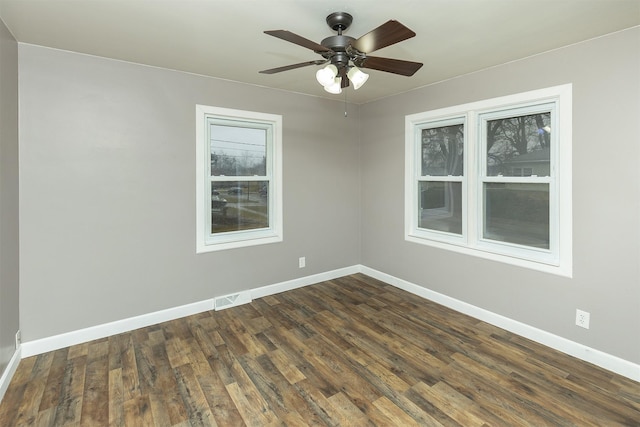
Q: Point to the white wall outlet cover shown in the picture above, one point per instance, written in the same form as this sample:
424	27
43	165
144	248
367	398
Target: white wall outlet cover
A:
582	319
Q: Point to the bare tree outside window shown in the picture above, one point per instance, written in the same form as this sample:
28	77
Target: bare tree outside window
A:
517	141
442	152
517	211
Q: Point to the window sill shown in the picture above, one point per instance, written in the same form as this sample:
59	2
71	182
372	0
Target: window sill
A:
203	247
565	269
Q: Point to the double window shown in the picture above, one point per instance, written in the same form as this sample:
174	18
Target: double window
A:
239	164
493	179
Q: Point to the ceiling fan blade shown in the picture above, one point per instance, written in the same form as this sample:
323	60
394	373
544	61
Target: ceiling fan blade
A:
385	35
396	66
299	40
293	66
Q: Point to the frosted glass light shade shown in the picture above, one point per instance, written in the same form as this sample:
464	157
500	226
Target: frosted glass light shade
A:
357	77
327	75
335	86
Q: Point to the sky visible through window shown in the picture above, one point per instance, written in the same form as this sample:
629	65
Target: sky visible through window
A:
237	151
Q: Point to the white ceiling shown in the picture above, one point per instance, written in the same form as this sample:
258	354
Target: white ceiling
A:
225	39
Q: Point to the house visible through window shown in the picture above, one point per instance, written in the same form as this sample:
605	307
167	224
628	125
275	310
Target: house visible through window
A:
493	179
516	206
238	182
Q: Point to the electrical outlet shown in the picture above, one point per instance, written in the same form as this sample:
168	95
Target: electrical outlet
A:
582	319
302	262
18	339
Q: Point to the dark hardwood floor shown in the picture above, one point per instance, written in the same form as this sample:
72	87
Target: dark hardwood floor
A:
350	352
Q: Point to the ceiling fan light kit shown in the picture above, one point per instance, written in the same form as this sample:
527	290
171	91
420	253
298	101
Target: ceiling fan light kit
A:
335	87
347	55
357	77
327	75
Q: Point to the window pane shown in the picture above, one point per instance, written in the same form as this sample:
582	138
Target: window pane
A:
442	150
517	213
239	206
519	146
440	206
238	151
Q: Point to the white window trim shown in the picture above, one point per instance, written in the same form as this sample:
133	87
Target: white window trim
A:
437	121
560	261
205	242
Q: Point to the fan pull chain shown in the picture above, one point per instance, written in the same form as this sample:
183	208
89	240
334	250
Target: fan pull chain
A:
345	102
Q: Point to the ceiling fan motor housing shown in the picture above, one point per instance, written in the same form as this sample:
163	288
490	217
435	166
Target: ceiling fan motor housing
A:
337	43
341	50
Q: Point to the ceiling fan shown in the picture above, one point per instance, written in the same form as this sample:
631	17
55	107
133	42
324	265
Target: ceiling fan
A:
346	55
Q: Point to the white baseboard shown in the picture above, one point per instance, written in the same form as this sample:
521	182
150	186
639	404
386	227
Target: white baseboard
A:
43	345
597	357
572	348
5	379
56	342
303	281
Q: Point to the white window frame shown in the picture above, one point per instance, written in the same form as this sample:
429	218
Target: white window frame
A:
436	122
272	123
558	258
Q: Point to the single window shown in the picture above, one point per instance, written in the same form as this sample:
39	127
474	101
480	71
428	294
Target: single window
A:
493	179
441	176
239	169
516	178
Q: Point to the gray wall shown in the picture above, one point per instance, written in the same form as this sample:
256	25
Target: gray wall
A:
107	169
606	197
9	246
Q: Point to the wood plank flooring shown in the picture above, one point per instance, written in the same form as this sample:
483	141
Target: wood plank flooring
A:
347	352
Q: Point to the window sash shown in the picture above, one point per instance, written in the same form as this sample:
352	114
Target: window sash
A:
240	125
215	180
548	255
438	234
448	217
